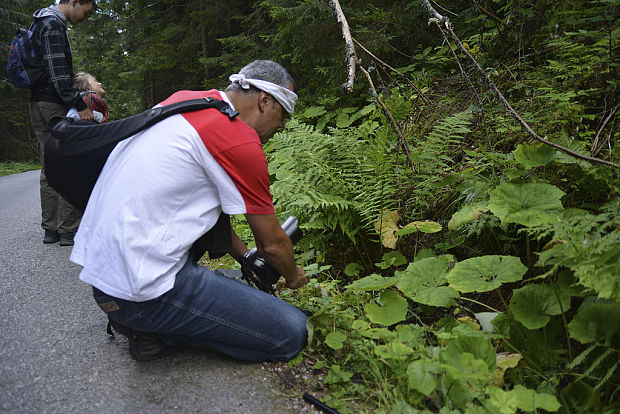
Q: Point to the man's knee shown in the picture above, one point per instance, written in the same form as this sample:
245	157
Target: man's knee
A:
297	334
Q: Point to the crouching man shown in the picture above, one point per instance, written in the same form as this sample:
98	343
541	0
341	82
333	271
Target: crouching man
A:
165	187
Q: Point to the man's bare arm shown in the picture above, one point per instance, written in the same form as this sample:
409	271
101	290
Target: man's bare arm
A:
276	248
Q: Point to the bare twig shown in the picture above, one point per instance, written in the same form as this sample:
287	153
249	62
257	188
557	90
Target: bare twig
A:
596	148
413	85
473	88
446	23
491	15
401	137
346	34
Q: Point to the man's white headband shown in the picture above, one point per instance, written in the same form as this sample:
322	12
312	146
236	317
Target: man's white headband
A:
285	97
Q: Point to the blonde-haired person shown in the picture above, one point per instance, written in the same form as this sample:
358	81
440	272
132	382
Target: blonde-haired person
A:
92	92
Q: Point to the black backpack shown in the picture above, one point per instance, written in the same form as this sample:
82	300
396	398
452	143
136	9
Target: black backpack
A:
24	66
76	151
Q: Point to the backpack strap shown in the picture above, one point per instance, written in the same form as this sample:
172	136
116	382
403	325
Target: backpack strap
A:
76	151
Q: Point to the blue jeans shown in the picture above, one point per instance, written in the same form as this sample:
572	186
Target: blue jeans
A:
205	309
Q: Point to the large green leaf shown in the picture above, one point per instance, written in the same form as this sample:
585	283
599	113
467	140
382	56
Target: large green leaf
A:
335	340
533	305
485	273
420	375
423	281
393	309
528	204
521	398
465	215
314	111
373	282
535	155
480	347
596	322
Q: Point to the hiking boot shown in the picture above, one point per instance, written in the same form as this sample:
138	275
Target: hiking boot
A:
142	346
51	236
66	239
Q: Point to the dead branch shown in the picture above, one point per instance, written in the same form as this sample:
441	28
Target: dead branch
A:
401	137
596	148
413	85
346	34
471	84
489	14
445	22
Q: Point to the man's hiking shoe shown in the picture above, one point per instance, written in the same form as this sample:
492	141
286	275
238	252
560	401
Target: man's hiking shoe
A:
66	239
142	346
51	236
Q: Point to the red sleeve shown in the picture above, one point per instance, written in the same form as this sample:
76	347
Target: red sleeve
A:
246	165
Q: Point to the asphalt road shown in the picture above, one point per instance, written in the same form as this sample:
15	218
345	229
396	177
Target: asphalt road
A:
55	354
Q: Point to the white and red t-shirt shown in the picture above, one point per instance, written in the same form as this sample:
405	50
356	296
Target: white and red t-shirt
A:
162	189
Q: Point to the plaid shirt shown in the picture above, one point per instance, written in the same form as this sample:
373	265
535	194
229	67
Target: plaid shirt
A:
52	43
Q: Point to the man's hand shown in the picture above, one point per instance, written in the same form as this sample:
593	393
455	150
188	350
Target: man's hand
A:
86	115
276	248
299	280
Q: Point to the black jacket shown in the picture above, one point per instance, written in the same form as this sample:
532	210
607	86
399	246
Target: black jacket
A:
52	44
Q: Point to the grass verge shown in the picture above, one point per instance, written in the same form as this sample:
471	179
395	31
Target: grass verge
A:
14	167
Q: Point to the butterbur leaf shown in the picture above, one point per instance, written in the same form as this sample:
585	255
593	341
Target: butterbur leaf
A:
596	322
485	273
391	258
535	155
529	204
335	340
337	375
420	376
533	305
424	281
386	227
521	398
343	120
479	347
393	309
465	215
424	254
372	282
314	111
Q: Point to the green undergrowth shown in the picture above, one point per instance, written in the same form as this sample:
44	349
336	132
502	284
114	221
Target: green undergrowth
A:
14	167
474	269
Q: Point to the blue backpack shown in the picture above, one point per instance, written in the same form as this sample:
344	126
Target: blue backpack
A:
25	68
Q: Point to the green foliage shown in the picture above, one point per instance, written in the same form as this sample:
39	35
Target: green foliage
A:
532	233
529	204
14	167
482	274
326	172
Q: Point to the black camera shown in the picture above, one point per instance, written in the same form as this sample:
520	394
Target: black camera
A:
256	271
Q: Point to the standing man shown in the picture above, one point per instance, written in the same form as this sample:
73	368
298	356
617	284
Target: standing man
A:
162	189
53	97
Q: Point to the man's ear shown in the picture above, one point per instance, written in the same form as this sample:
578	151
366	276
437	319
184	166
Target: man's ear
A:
263	101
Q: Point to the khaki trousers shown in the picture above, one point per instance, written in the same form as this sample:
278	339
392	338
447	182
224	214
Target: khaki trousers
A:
57	214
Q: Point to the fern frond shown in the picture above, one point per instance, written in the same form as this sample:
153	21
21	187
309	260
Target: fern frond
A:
596	363
607	375
582	356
